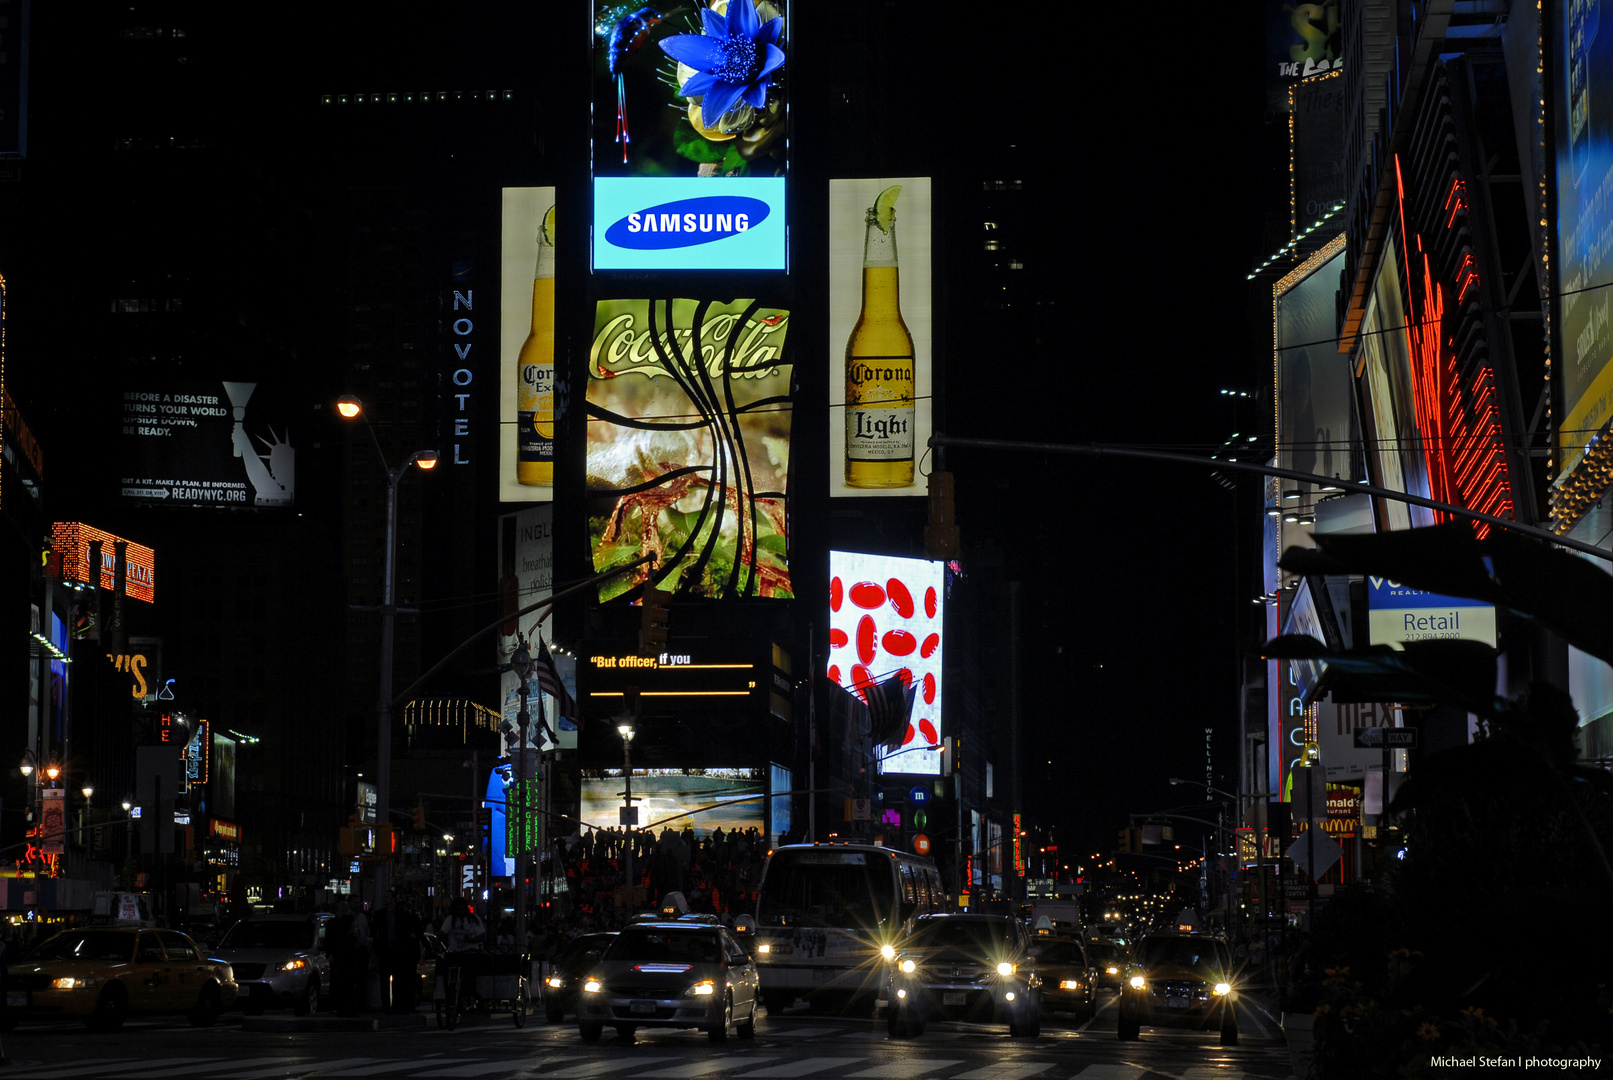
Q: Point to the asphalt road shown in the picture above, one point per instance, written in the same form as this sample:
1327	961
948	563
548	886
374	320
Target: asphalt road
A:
798	1045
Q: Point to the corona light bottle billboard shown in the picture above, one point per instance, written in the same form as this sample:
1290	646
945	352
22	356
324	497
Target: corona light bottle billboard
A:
879	364
534	373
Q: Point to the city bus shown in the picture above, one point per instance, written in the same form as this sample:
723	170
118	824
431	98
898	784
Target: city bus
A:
824	911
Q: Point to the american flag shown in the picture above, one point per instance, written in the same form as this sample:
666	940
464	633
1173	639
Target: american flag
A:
543	670
890	704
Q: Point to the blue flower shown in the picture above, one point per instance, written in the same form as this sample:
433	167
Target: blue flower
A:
733	59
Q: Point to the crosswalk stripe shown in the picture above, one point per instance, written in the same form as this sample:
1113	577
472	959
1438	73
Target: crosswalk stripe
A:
384	1065
1110	1070
211	1067
802	1033
907	1067
609	1065
56	1072
1016	1071
804	1067
1209	1072
484	1067
701	1068
295	1066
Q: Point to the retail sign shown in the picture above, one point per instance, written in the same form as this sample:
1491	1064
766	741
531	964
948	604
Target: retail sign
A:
219	829
1397	614
71	541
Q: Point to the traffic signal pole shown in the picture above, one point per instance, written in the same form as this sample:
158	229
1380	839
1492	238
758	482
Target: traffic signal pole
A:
1228	465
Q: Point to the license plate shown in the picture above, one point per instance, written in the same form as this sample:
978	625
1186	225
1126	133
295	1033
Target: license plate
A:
821	974
958	998
638	1007
1176	1003
17	1000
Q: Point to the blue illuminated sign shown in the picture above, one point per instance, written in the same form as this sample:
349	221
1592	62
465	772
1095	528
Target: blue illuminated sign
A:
689	223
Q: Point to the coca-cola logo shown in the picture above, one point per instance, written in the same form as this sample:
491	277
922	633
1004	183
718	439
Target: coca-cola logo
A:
687	222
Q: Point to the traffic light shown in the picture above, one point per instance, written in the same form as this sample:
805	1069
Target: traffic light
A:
652	632
417	816
386	842
941	534
1131	841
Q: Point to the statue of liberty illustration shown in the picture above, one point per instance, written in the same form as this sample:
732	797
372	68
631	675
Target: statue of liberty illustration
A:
275	481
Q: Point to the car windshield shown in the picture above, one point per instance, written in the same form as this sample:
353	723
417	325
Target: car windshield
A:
275	934
974	935
578	948
114	946
1182	952
1103	954
843	889
1060	952
659	946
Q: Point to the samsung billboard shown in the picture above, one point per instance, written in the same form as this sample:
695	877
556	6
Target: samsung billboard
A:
690	140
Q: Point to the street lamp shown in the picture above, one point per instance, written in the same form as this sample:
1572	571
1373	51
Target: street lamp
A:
351	409
1260	842
629	819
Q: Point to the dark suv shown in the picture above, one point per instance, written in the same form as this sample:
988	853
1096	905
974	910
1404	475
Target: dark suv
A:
1180	980
963	967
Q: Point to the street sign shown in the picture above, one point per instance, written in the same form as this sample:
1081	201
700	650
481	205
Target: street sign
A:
921	844
862	809
1385	738
919	795
1324	850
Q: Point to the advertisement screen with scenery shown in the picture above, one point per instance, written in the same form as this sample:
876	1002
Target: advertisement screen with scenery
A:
885	619
526	444
1583	62
726	799
880	336
206	443
689	417
690	109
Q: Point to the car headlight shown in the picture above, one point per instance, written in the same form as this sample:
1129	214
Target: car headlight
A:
1005	968
1223	989
888	952
296	964
592	986
909	967
702	989
1137	982
555	981
764	947
1112	970
1069	984
68	982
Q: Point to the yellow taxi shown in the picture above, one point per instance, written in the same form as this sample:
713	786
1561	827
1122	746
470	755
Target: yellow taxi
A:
103	975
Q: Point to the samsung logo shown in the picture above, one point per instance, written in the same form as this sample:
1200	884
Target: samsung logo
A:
687	222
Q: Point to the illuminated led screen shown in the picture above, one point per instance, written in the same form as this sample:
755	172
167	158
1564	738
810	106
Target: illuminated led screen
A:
728	799
880	338
885	617
689	416
690	148
525	352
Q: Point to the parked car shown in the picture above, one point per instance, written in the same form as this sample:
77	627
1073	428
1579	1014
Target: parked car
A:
1182	981
1069	981
104	975
570	964
963	967
670	974
278	961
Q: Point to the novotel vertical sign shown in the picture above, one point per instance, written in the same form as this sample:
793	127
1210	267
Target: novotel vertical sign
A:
689	223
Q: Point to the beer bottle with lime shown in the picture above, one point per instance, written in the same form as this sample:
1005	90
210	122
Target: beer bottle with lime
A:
879	364
534	373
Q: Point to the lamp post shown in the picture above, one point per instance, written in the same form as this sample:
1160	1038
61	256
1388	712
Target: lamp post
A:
128	833
521	664
351	408
629	818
